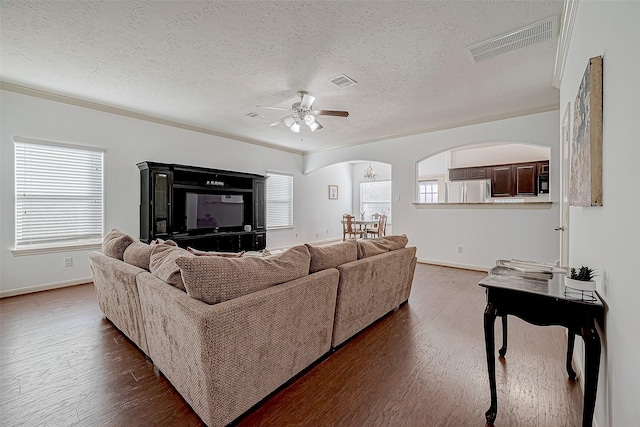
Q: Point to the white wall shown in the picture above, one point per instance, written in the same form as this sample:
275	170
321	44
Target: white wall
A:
486	234
126	142
608	238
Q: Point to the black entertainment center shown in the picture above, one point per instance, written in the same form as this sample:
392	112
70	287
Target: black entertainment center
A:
207	209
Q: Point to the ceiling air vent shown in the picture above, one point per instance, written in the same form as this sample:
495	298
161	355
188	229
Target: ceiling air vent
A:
523	37
342	81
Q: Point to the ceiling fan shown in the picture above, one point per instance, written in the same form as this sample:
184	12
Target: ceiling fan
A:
303	112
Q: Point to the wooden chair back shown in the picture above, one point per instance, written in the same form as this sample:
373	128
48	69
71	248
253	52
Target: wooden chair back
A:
348	226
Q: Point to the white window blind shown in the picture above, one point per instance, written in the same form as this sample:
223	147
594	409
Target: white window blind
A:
375	197
59	194
279	200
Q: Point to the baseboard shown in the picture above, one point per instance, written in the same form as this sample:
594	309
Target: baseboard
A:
45	287
454	265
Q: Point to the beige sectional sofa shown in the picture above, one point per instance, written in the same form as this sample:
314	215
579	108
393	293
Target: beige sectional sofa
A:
227	332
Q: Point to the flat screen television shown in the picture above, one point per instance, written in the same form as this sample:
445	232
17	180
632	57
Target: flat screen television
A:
214	210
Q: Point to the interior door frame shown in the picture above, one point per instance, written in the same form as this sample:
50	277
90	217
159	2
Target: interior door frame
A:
565	171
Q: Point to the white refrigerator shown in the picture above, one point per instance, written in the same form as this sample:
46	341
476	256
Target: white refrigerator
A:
476	191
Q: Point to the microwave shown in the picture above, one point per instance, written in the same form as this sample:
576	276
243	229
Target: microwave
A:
543	183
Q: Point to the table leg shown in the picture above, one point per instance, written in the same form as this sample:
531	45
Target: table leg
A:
503	350
570	342
592	367
489	340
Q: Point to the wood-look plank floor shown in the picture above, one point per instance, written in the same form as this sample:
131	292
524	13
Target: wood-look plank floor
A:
63	364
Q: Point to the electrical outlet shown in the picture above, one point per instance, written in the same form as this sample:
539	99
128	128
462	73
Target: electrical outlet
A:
327	231
296	234
317	235
459	248
68	262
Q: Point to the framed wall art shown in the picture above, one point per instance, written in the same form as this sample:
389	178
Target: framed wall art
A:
585	183
333	192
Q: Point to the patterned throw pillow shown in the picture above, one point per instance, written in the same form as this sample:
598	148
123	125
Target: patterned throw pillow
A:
115	243
162	264
215	279
331	256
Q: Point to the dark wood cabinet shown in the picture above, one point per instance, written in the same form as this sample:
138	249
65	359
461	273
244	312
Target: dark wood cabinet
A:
460	174
520	179
526	176
502	181
208	209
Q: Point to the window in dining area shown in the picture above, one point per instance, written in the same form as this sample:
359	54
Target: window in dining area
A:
375	197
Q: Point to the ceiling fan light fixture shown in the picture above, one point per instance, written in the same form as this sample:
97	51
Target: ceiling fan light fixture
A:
309	119
315	126
295	127
289	121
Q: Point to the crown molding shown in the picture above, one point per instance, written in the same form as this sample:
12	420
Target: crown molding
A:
132	114
566	29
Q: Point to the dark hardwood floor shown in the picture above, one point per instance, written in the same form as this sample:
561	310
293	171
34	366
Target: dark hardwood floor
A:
62	363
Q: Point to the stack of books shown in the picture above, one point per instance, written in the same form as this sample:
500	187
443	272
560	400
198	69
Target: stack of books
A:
533	269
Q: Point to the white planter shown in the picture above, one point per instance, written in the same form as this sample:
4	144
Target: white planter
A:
580	285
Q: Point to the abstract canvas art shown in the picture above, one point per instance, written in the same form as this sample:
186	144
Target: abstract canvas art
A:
585	183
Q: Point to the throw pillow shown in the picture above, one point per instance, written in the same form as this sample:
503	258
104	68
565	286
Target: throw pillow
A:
115	243
367	248
214	253
331	256
163	264
159	241
379	245
217	279
138	254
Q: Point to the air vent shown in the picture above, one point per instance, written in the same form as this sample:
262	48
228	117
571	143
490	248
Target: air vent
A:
523	37
342	81
254	115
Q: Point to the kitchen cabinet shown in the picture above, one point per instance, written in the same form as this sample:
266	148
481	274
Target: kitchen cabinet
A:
502	179
459	174
518	179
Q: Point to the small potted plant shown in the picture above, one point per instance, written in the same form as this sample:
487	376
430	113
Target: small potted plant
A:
581	279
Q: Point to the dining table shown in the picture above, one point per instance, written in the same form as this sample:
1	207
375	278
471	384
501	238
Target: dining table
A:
362	225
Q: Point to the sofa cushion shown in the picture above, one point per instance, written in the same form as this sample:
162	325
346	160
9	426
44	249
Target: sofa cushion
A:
115	243
162	264
331	256
379	245
217	279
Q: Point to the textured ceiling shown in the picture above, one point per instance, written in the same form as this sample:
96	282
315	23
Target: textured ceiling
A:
208	64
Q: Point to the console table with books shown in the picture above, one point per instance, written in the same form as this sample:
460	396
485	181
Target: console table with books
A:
540	299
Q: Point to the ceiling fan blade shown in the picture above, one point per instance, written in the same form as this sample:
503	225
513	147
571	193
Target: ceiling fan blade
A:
276	123
273	108
331	113
307	101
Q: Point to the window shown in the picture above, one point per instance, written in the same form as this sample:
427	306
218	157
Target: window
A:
279	200
58	194
375	197
428	191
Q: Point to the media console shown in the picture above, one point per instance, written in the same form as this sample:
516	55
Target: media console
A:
208	209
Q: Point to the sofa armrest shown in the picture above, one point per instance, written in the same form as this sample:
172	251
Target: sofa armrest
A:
370	288
117	292
225	358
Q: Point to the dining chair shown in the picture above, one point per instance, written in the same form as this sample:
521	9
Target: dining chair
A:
378	229
349	226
